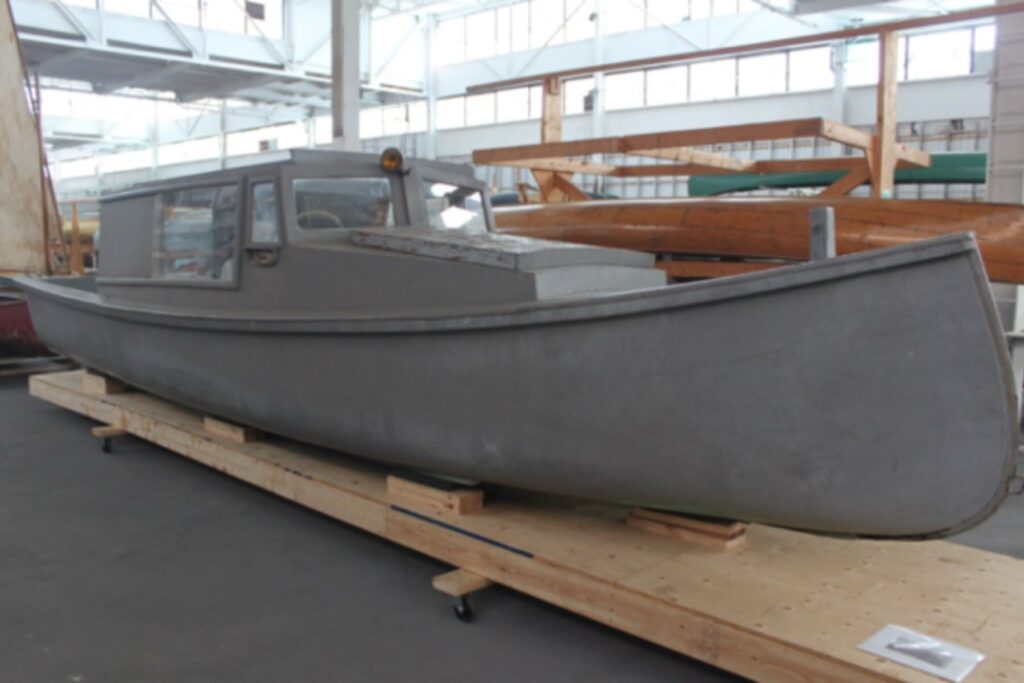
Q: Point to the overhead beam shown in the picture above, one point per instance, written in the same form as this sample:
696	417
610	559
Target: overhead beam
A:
754	48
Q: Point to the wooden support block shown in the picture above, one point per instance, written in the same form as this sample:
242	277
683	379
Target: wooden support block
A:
459	501
101	385
724	535
107	431
460	582
229	431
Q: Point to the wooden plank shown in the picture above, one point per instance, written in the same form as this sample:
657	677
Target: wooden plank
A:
847	135
556	187
700	157
787	606
848	182
883	161
720	535
77	263
101	385
230	431
460	582
692	269
457	501
107	431
551	110
758	47
568	166
773	130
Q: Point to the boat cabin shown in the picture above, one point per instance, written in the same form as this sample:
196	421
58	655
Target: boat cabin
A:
325	230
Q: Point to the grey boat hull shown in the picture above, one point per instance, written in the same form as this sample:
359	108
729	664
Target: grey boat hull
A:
866	395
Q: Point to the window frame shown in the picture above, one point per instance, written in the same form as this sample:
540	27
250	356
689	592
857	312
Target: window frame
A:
252	244
418	209
155	195
357	170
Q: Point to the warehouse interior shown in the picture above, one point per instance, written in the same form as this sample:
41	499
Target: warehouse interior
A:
830	190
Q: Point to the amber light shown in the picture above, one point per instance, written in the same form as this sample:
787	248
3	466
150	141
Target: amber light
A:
391	160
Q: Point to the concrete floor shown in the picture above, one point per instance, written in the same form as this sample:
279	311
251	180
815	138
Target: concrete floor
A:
142	566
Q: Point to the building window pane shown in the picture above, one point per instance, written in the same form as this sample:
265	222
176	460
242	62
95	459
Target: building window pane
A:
450	42
513	105
624	91
578	24
196	234
536	101
417	116
451	113
623	16
934	55
862	63
713	80
546	23
480	36
700	9
520	27
810	69
575	93
667	12
666	86
762	75
985	38
371	123
480	109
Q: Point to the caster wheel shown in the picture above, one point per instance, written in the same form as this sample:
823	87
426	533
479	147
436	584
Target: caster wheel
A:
463	610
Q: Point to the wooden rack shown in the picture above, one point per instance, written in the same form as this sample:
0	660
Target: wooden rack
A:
553	162
781	606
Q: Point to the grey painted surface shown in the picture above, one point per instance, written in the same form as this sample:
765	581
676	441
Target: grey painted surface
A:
144	566
867	394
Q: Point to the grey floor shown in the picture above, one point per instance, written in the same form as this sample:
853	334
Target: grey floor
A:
142	566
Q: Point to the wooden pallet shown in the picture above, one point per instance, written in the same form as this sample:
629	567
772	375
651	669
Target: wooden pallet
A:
783	606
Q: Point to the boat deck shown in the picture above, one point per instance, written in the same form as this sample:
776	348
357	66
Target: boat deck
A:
781	606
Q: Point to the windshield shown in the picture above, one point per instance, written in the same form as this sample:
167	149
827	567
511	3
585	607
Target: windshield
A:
451	207
325	203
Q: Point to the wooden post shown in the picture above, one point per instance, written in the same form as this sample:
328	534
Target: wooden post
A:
551	111
883	159
77	264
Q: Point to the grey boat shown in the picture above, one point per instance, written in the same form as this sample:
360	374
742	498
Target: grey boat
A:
366	305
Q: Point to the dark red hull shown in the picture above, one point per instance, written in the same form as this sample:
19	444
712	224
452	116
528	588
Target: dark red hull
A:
16	332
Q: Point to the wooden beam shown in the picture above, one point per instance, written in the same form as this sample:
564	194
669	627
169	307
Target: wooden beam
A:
556	188
551	111
463	501
231	432
77	263
564	166
773	130
883	171
460	582
697	156
848	182
760	47
846	135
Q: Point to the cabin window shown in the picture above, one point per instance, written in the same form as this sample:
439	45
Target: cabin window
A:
450	207
326	203
196	234
265	221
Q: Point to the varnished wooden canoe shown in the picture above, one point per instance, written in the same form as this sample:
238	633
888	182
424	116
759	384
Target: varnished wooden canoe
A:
772	228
